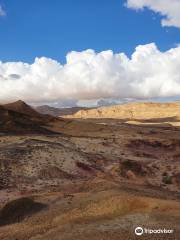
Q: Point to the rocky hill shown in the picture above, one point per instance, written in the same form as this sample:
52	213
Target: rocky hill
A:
20	118
132	111
21	107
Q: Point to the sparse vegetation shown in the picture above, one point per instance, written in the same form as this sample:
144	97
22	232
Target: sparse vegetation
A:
90	176
167	179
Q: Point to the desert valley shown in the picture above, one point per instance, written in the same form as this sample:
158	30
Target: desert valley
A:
93	174
90	120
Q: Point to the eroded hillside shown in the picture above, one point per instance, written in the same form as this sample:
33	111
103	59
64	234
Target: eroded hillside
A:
141	111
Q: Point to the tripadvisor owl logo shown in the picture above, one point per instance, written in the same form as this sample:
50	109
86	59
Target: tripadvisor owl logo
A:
139	231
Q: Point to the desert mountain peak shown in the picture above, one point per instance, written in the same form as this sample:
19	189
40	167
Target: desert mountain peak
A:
21	107
19	117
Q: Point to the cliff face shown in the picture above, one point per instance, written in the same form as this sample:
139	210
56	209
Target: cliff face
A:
132	111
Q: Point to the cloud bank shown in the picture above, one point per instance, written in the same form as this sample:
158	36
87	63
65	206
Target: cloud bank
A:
149	73
169	9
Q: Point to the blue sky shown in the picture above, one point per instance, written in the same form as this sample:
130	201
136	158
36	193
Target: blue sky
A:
85	50
52	28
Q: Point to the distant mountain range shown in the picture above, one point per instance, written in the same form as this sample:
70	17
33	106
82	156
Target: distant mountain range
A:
20	118
45	109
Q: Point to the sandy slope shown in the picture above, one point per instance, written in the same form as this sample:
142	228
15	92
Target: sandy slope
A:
103	211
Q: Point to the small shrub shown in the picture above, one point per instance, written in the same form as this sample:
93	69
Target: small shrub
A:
167	179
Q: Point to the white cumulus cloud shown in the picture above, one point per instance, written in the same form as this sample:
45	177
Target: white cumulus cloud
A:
149	73
169	9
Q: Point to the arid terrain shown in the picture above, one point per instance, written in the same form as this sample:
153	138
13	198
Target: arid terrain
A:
97	174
